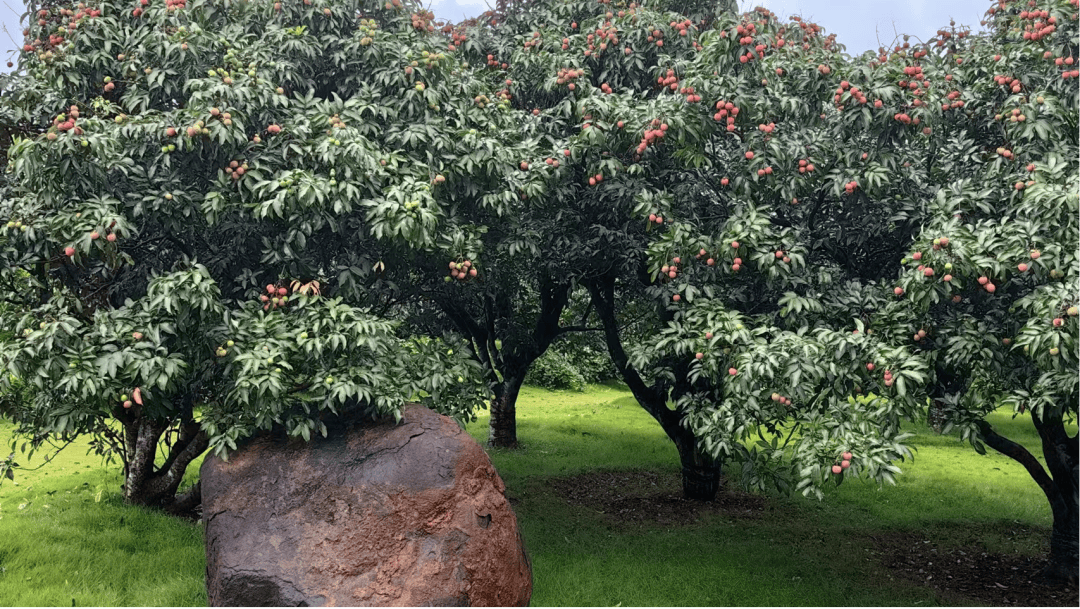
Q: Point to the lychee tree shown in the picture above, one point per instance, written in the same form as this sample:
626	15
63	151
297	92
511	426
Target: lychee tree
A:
192	174
517	204
922	197
993	276
552	65
624	85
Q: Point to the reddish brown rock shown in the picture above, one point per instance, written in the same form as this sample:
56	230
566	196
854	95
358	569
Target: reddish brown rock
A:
383	514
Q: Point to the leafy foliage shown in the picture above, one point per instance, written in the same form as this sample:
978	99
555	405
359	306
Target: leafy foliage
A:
174	164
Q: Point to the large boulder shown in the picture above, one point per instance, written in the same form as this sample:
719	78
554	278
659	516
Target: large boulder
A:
380	514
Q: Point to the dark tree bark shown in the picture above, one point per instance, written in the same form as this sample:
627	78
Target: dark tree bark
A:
1060	486
156	486
700	472
507	367
502	432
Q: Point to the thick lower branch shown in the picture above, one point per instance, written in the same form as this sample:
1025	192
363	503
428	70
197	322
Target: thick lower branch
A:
1021	455
602	291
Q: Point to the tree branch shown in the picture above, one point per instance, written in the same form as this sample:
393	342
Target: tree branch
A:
602	291
1020	454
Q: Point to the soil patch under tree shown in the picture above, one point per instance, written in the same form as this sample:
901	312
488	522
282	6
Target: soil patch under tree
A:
957	574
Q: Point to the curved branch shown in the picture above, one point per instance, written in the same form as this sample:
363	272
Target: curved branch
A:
1020	454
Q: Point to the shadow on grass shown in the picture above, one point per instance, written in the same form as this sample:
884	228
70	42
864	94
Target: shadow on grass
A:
66	537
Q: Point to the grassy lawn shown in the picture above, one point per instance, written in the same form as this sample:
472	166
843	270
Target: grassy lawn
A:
66	538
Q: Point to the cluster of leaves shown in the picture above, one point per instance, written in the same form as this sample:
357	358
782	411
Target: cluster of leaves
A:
908	163
666	200
1002	228
774	183
175	158
752	190
554	370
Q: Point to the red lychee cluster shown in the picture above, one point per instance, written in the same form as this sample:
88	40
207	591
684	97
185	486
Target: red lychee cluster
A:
1042	24
746	38
1064	61
652	135
954	101
903	117
683	27
805	166
421	21
1011	83
704	254
850	187
494	63
655	218
72	18
175	5
918	336
457	36
746	33
845	462
568	76
691	96
462	271
888	378
65	123
917	77
671	271
236	169
656	36
601	38
779	399
726	110
275	297
534	41
110	236
845	86
668	80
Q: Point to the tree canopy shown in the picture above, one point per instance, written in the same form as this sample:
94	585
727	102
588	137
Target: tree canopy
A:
226	206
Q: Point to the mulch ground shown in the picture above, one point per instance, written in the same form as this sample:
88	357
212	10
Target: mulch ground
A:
970	572
959	574
629	499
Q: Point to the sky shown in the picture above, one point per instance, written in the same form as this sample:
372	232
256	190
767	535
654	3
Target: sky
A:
859	25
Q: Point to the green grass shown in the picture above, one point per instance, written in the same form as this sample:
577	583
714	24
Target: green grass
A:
66	537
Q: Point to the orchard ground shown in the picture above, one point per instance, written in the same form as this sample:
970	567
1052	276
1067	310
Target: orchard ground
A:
597	492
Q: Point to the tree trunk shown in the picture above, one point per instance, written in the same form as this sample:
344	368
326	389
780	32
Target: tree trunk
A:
935	416
1064	557
1060	485
508	368
503	429
1060	452
700	473
151	486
